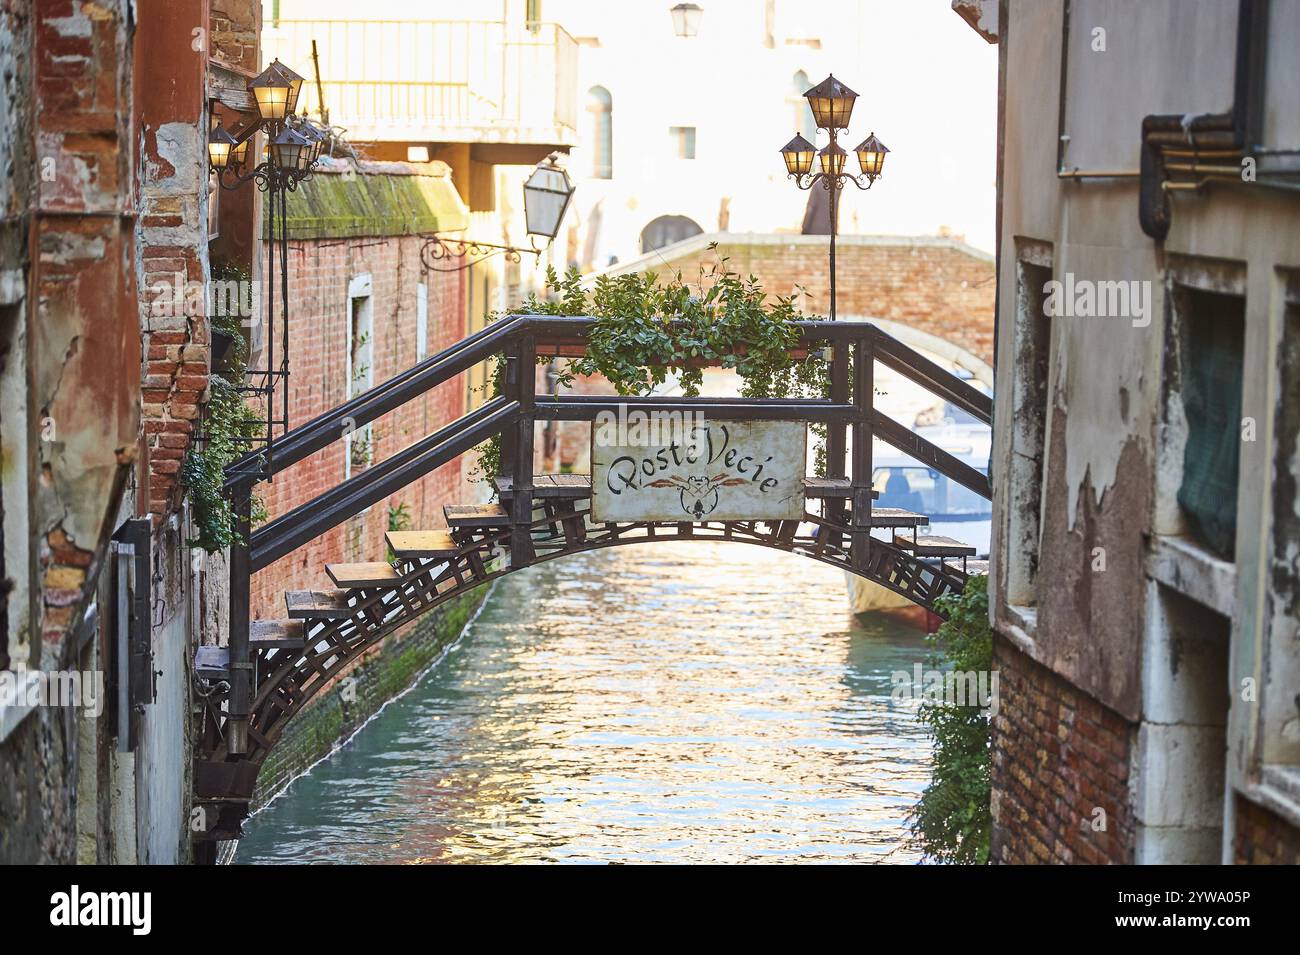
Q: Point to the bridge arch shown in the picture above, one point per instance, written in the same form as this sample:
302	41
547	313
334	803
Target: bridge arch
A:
272	668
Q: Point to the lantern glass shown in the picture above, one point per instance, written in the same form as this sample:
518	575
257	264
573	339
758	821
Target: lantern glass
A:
686	19
830	161
220	147
289	149
239	153
271	89
546	197
295	86
831	103
798	154
871	156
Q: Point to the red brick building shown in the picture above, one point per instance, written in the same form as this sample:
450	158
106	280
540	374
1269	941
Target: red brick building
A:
364	308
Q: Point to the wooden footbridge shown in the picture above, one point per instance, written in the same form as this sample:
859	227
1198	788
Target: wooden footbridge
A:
270	669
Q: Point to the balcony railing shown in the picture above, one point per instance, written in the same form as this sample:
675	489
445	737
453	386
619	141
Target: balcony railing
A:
436	80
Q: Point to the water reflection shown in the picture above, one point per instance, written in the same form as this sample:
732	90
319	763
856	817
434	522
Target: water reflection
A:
668	702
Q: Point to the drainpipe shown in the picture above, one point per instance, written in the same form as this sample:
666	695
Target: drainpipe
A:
1222	137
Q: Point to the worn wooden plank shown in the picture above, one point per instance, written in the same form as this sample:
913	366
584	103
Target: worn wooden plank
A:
412	544
819	487
365	574
475	515
568	486
934	546
895	517
317	604
972	568
278	634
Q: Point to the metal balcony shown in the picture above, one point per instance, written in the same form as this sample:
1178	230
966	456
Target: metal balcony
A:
436	80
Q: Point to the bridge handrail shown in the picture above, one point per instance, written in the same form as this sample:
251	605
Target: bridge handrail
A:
435	370
324	429
307	521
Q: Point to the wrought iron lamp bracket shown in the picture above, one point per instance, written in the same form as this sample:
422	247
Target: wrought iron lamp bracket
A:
439	252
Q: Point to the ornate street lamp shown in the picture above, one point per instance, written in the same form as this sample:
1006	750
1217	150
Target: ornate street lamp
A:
686	18
294	146
831	103
547	193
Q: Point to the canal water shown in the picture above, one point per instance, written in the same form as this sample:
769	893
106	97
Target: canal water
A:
671	702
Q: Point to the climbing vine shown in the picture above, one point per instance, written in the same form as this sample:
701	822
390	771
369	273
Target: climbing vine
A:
229	427
953	820
646	330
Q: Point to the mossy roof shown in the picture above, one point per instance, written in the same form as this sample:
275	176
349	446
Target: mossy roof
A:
333	205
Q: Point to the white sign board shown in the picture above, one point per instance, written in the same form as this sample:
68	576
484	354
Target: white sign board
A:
715	471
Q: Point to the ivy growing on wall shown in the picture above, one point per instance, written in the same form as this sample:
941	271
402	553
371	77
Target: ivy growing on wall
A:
952	821
229	427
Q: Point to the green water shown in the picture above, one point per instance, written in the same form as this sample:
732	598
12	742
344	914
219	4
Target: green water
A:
672	702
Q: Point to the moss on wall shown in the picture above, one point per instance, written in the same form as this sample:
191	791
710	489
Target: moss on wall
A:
394	667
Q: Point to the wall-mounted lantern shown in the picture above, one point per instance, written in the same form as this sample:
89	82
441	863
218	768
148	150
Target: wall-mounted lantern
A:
686	18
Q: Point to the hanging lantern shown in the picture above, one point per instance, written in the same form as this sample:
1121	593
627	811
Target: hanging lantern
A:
220	147
546	197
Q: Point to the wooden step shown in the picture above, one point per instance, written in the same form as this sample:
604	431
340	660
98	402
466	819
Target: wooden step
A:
475	515
819	487
317	604
934	546
566	486
365	574
412	545
277	634
895	517
972	568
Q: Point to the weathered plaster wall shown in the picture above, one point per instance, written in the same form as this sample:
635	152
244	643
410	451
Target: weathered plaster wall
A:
1112	461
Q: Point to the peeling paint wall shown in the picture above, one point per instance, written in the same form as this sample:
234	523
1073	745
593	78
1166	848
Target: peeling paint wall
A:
1110	523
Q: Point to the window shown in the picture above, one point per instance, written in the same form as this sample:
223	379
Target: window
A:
1031	360
600	110
666	230
801	112
683	140
1211	342
360	370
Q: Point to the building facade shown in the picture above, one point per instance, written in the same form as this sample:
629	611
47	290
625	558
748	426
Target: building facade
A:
1144	567
106	227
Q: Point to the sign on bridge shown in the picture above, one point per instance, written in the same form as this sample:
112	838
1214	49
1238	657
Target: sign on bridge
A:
719	471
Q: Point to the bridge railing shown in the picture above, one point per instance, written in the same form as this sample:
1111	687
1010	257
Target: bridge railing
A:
512	415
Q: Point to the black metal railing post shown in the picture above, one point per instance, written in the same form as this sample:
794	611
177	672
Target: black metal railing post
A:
864	359
521	507
837	434
237	644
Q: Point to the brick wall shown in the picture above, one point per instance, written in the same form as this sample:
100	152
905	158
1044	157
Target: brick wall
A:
320	322
936	285
1058	756
1263	837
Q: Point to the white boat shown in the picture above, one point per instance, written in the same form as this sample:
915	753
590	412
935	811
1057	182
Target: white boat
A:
953	510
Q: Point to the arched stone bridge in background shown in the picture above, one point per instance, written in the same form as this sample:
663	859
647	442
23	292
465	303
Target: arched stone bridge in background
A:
270	669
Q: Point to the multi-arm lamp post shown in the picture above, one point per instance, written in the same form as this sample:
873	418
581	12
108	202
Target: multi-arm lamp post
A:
832	104
294	146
